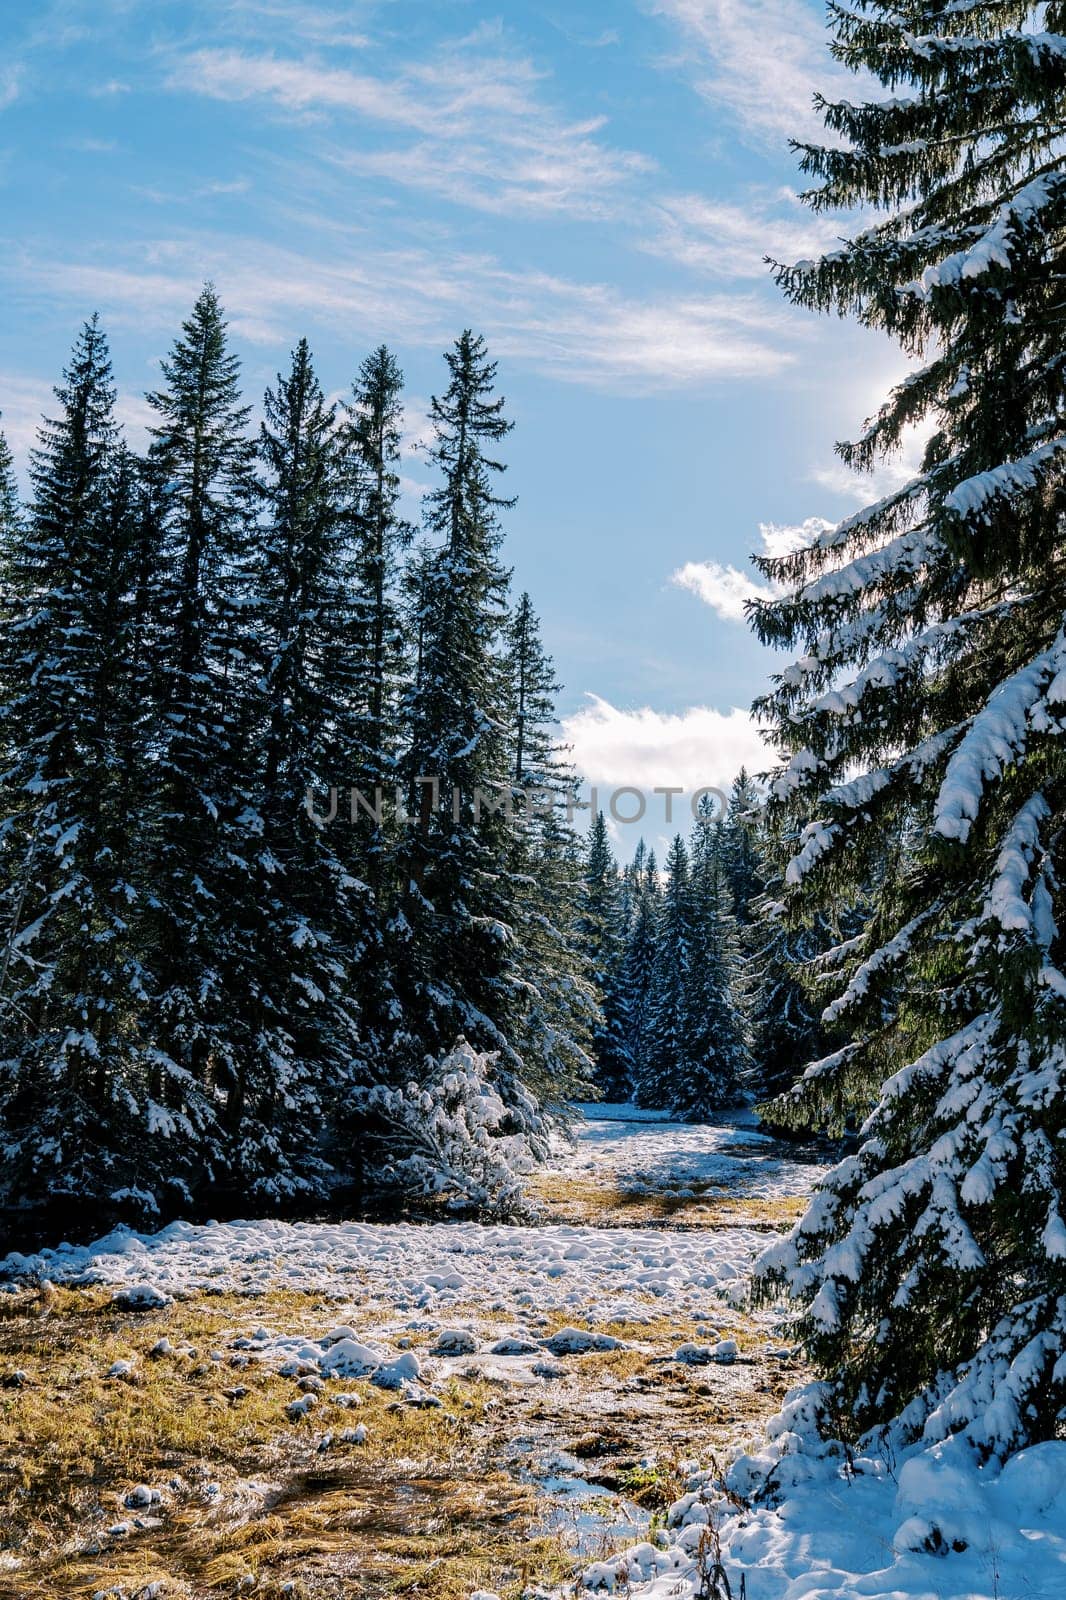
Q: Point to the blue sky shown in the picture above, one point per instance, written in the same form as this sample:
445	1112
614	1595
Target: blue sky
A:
593	186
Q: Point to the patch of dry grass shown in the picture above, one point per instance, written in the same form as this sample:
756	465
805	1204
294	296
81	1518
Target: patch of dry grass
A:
419	1508
411	1509
589	1201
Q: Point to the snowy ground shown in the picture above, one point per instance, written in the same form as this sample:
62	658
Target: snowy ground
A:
644	1152
617	1353
405	1268
935	1525
501	1270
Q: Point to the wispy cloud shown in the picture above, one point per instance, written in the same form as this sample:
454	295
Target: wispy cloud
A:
25	401
723	239
484	135
317	24
726	589
759	60
10	86
645	748
579	332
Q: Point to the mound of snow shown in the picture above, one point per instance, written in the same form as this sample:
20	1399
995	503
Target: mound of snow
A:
454	1342
578	1341
140	1297
396	1374
347	1358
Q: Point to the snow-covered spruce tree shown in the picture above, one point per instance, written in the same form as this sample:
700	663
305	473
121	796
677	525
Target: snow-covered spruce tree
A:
453	1138
715	1030
558	1002
603	934
202	825
75	1117
452	948
370	443
665	1061
300	927
742	847
641	893
925	719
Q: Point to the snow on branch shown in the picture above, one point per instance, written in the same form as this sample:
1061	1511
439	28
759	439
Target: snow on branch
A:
995	738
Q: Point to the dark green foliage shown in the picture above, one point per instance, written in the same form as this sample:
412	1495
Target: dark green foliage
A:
787	1033
715	1034
559	1003
603	927
370	443
742	853
74	1069
666	1059
452	925
307	921
201	828
640	913
925	728
9	495
213	982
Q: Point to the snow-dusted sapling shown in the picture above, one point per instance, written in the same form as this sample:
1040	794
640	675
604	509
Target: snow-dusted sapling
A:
453	1136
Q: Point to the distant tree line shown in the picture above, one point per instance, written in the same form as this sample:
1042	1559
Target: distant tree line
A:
708	995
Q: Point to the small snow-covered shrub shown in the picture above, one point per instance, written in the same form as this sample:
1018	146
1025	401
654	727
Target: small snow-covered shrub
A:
456	1138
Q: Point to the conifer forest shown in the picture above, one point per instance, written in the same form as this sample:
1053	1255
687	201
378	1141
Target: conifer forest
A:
412	1180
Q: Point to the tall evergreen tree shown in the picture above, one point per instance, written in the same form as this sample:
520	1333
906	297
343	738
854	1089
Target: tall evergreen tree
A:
928	711
371	457
559	1006
455	973
75	1114
666	1061
638	960
715	1036
603	933
9	495
203	827
742	841
302	918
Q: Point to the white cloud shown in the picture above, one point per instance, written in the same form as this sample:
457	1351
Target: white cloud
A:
782	538
727	240
761	60
643	749
579	332
296	86
726	589
486	137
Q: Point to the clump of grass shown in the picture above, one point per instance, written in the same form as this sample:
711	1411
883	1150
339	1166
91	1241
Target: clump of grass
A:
654	1487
